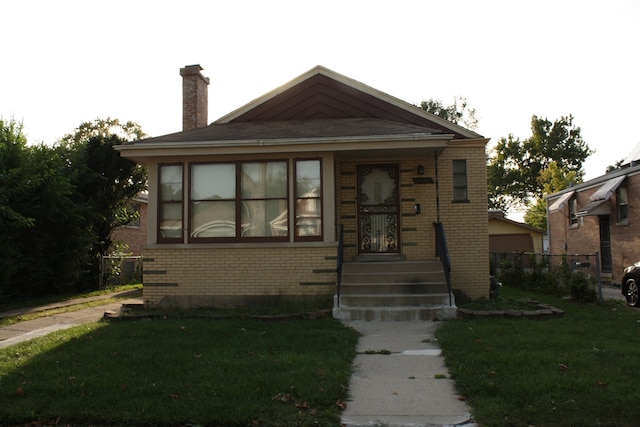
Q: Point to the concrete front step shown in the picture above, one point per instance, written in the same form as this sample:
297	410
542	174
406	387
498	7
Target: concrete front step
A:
395	313
391	267
391	300
400	290
393	276
393	288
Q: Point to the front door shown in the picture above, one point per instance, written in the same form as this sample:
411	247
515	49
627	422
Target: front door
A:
378	209
605	245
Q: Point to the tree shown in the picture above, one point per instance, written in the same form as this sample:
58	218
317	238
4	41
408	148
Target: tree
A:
105	183
617	165
514	171
43	238
552	179
455	113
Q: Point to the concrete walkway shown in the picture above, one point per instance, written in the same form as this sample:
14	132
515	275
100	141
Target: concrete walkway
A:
398	379
29	329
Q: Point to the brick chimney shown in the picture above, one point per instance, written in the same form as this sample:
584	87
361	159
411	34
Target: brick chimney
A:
194	97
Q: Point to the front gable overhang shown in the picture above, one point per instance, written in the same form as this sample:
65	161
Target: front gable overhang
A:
399	144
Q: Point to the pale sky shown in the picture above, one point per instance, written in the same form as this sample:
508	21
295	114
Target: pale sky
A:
66	62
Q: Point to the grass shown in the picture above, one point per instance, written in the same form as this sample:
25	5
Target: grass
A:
579	370
233	372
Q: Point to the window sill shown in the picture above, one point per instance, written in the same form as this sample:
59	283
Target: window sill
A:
461	201
274	245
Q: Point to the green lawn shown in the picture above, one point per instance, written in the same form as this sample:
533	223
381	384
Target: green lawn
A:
230	372
579	370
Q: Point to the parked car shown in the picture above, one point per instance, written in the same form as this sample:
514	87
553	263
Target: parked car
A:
630	283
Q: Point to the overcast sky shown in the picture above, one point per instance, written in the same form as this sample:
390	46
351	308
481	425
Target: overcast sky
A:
66	62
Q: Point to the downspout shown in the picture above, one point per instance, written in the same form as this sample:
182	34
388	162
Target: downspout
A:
437	190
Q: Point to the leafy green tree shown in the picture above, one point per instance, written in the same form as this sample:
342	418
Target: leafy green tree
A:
617	165
105	183
552	179
514	170
458	112
43	240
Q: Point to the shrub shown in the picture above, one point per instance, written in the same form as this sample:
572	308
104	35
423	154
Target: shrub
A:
581	289
559	281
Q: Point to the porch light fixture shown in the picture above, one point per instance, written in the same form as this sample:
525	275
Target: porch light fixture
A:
420	170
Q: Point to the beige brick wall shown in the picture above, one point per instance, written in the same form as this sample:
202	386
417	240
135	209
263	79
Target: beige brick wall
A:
219	276
465	224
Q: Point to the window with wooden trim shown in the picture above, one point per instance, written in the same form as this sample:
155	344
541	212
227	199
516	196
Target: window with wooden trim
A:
239	201
460	190
170	206
308	200
622	206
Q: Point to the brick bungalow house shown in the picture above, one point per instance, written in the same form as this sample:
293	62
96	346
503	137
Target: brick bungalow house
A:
598	215
250	208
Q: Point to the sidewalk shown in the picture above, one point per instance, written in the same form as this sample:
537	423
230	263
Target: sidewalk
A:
26	330
405	387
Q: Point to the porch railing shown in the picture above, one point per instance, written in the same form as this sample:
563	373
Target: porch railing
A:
340	261
442	251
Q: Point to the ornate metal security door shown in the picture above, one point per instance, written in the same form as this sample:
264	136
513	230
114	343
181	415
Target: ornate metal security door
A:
378	209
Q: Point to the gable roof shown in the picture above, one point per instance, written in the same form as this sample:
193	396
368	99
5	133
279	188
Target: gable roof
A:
499	217
321	109
321	93
607	184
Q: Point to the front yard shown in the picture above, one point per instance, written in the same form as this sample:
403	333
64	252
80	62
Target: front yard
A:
578	370
181	371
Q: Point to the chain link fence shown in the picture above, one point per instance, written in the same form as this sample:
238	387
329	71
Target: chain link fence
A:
587	264
528	262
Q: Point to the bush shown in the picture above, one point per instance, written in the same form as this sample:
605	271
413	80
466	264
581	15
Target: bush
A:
559	281
581	289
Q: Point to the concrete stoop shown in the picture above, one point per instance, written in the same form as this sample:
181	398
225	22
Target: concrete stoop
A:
394	291
442	312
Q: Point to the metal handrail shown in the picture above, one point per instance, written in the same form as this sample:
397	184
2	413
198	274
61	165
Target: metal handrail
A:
340	261
442	251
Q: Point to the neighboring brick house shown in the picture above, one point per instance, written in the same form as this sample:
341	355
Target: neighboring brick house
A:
249	208
134	235
599	215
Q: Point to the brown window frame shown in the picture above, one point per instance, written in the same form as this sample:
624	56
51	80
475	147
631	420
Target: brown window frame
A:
296	199
622	204
238	203
161	203
464	187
